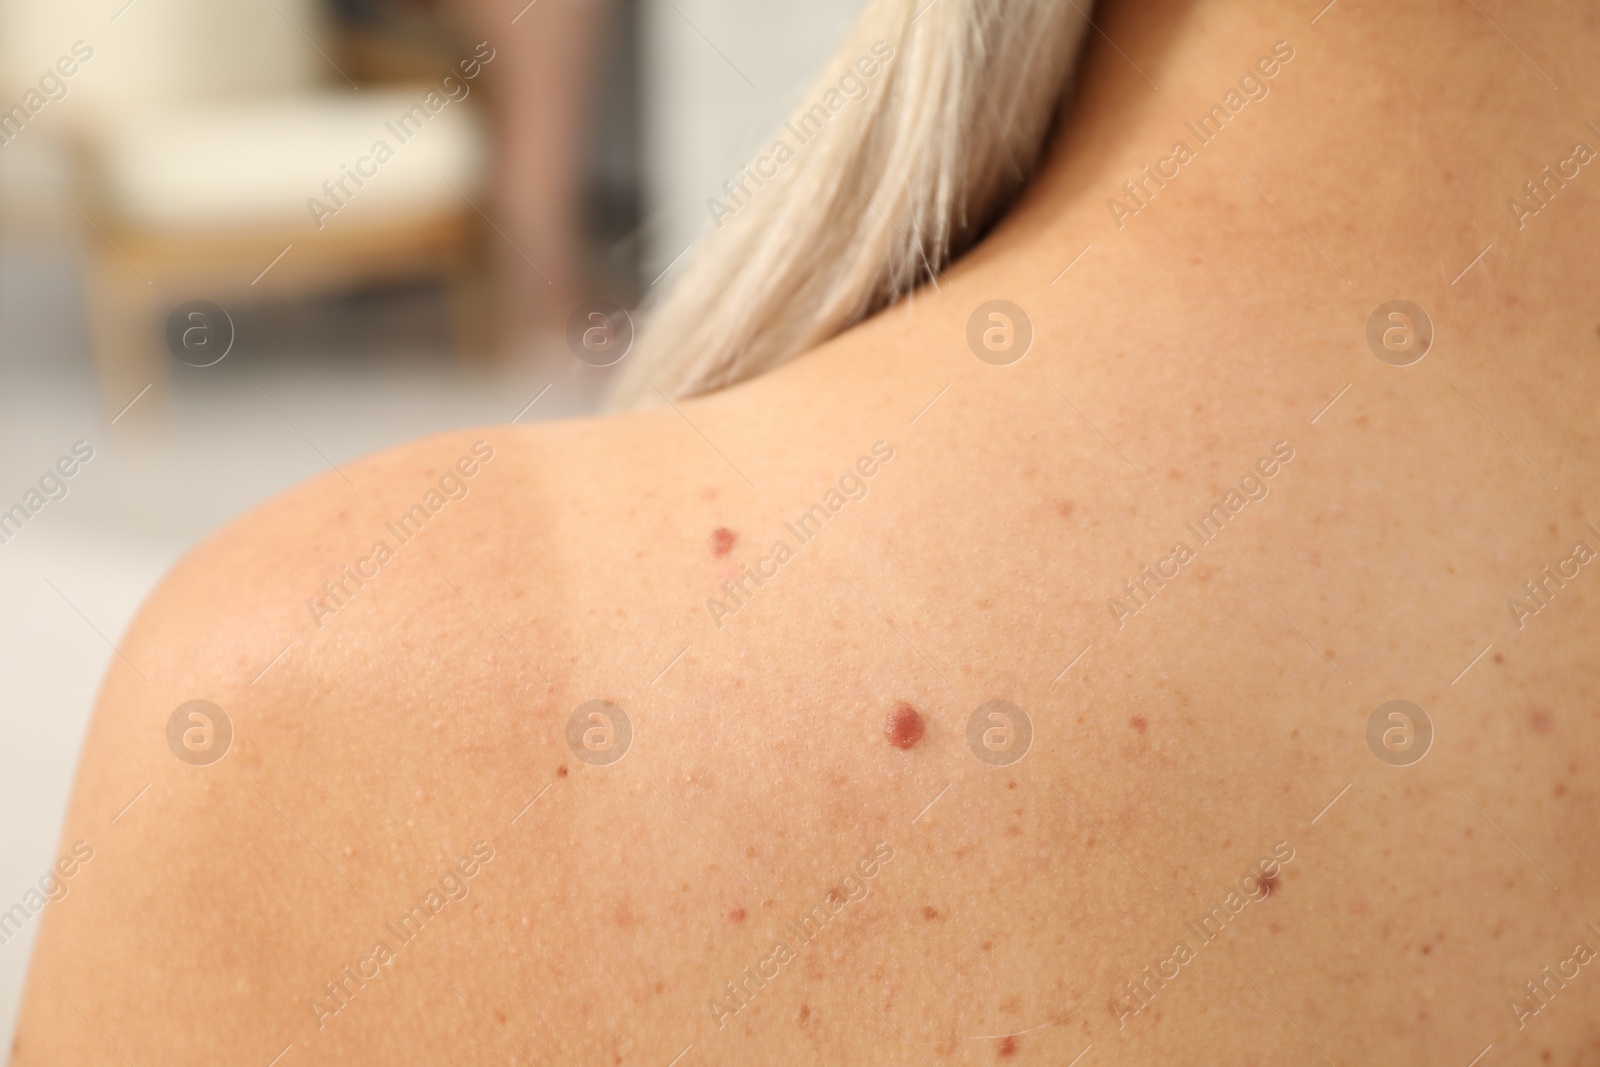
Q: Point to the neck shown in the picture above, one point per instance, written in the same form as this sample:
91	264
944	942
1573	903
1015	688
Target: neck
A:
1397	140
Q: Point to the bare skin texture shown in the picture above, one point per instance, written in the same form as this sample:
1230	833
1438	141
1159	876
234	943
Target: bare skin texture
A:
1220	728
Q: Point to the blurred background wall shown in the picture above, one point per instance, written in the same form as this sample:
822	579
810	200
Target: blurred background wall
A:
161	159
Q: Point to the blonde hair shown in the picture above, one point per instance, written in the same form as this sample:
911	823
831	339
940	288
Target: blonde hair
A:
960	97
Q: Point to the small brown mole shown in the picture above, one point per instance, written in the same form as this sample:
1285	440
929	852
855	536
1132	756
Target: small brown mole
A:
1269	882
561	771
722	541
904	726
1008	1046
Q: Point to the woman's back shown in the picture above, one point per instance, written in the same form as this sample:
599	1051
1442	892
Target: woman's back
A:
952	693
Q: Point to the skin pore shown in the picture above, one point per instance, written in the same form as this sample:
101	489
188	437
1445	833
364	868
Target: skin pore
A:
1199	772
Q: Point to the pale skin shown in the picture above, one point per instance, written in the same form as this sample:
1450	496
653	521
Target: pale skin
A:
1227	716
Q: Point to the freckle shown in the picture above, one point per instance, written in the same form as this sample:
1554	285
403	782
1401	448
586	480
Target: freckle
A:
805	1013
929	912
499	1016
1011	785
722	540
904	727
1540	721
1426	949
1138	724
1008	1046
1560	789
1064	509
1269	882
561	771
1174	474
1498	658
736	916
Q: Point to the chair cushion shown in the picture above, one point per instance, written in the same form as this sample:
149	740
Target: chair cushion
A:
261	162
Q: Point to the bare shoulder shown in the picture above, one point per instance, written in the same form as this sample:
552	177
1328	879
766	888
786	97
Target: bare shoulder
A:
756	728
285	739
343	794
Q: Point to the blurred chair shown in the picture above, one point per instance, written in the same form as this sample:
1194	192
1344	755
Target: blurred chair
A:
206	133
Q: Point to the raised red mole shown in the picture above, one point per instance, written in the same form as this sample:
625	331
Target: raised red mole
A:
722	540
904	727
1008	1046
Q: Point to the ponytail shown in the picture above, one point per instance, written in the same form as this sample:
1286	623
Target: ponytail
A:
863	198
